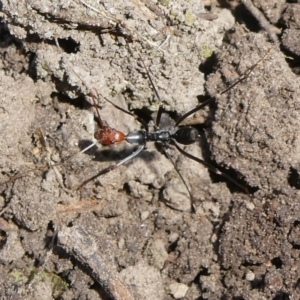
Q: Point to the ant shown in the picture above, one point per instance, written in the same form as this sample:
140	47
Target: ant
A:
176	136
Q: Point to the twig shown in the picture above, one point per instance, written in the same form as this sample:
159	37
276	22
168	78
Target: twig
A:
271	30
119	22
82	246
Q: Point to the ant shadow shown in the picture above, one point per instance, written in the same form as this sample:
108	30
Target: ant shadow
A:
111	155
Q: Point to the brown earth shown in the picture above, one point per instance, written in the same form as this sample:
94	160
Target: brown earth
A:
130	234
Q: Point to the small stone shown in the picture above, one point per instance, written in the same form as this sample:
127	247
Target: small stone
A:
173	237
157	254
213	238
178	290
144	215
121	243
250	276
250	205
12	249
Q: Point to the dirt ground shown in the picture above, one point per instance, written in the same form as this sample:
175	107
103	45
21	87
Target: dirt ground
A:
131	234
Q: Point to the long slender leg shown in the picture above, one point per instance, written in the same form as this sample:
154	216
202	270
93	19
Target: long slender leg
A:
47	167
112	167
157	122
192	199
210	167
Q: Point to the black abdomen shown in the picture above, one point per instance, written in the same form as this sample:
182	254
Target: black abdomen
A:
186	135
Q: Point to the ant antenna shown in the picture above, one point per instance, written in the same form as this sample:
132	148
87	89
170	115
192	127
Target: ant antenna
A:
160	109
217	96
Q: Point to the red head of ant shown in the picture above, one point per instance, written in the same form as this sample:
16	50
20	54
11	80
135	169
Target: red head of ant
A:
109	136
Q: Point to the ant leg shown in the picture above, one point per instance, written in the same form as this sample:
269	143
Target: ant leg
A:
110	168
192	199
47	167
210	167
